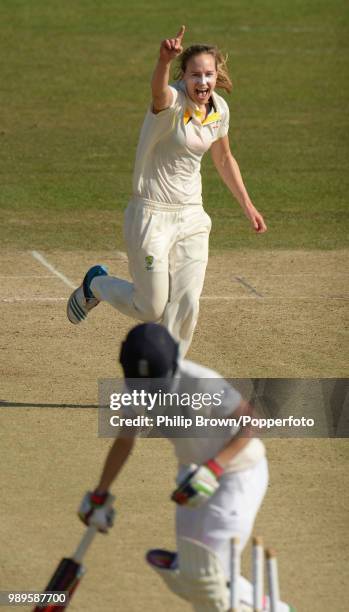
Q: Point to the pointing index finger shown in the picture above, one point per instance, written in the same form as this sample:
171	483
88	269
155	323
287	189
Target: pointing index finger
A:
180	33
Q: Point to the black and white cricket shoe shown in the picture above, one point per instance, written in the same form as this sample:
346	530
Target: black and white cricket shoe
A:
82	299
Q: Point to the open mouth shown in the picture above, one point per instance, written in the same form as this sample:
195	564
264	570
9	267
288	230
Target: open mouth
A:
202	93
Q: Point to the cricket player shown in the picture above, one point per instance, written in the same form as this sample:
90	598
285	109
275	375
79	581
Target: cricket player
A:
221	480
166	229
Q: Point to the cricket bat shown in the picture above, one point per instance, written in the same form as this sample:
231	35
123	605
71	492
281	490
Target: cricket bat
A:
68	573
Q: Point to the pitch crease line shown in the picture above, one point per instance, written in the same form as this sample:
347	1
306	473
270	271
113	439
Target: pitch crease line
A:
29	300
269	298
24	276
52	269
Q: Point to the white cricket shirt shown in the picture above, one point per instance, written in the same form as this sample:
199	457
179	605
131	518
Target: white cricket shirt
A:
196	381
198	450
171	146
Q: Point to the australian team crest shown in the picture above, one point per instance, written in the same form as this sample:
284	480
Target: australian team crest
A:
149	260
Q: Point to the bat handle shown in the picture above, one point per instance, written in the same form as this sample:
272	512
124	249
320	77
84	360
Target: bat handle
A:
84	544
88	536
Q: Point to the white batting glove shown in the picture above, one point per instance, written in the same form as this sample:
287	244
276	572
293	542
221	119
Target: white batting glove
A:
96	509
199	486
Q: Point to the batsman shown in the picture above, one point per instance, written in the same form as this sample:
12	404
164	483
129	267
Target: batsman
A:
221	480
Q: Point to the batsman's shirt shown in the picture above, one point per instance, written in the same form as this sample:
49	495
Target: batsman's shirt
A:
196	380
200	379
171	146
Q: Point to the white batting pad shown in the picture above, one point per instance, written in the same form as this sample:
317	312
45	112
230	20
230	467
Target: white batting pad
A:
201	572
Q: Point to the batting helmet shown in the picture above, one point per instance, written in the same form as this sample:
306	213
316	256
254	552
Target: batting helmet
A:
149	351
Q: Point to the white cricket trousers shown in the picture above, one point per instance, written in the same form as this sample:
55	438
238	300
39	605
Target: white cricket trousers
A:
167	248
230	512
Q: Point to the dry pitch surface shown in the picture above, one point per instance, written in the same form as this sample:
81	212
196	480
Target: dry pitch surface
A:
275	314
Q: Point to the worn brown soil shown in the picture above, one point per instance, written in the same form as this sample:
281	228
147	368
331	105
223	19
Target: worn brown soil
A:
271	314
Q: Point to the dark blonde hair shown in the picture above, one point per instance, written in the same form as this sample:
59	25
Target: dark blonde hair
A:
223	78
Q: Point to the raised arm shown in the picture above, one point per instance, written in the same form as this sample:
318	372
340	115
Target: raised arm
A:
229	172
169	50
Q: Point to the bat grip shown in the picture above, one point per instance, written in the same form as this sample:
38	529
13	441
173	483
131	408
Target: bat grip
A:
84	544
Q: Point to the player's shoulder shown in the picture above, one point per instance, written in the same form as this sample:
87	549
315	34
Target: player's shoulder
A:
179	86
178	92
196	370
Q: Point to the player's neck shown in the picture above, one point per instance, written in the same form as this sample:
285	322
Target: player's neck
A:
205	108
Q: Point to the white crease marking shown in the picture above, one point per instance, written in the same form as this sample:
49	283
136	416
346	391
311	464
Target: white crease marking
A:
13	300
52	269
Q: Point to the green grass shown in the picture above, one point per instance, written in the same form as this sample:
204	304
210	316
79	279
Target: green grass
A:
75	86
